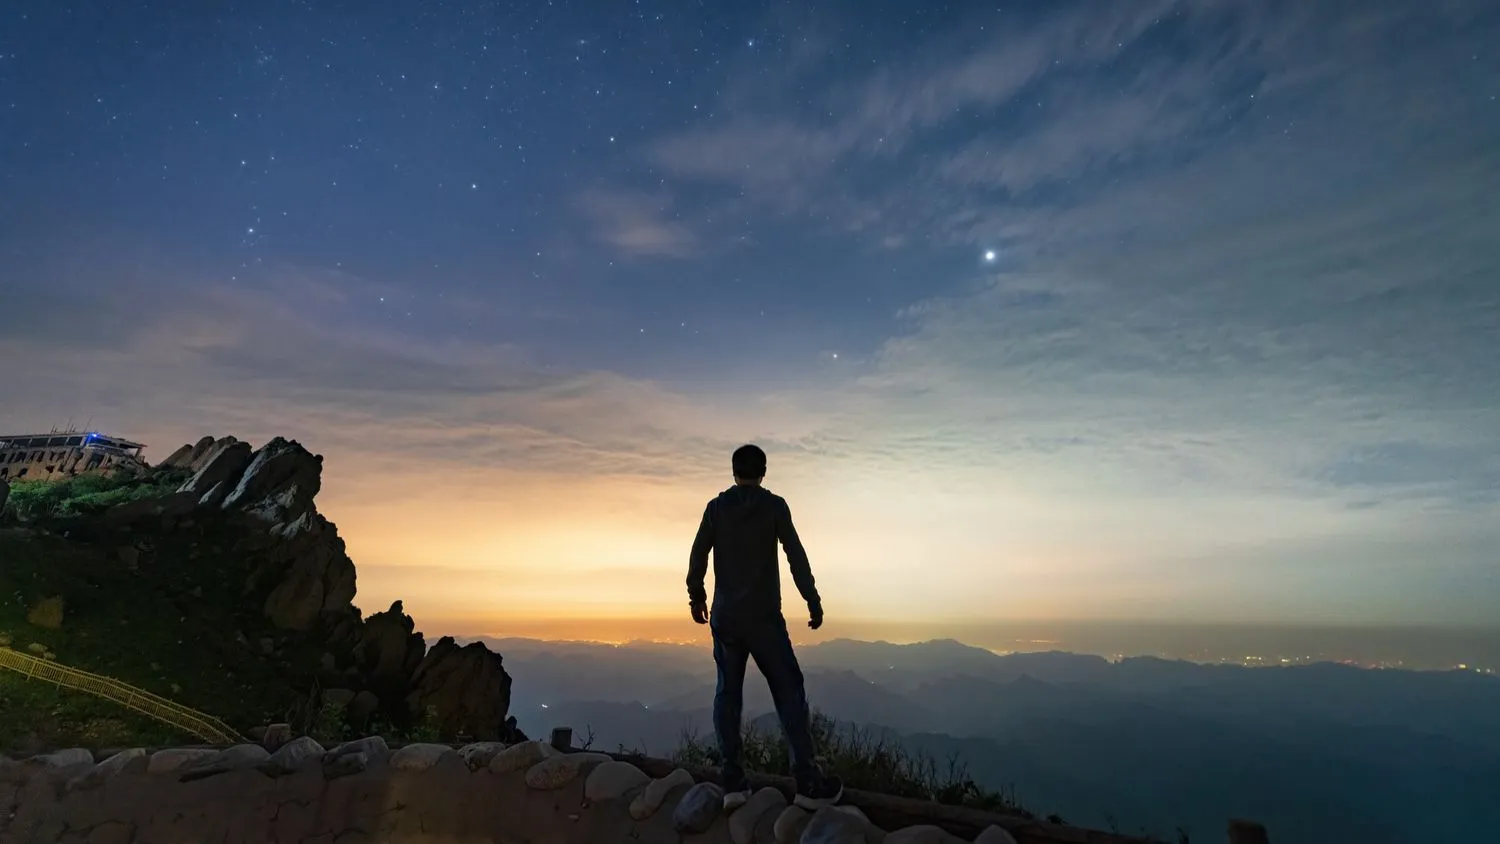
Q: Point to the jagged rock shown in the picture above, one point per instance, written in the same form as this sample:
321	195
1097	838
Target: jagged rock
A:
278	486
64	758
108	768
174	759
743	820
830	825
649	801
520	757
698	809
296	755
790	824
276	736
468	689
995	835
389	651
922	834
193	456
480	754
228	759
557	771
310	577
217	471
343	766
419	757
612	780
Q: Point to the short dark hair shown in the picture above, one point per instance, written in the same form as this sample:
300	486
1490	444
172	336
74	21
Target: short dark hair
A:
749	462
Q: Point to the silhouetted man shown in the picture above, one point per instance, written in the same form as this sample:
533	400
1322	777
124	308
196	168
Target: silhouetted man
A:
742	526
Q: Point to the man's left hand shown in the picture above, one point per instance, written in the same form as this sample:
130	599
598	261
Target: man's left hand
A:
700	613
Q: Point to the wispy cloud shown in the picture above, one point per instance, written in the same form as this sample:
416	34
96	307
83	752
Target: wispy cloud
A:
637	223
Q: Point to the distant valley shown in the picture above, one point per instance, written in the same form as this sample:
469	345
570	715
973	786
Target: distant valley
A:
1141	743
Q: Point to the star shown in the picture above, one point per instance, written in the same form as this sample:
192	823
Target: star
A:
989	255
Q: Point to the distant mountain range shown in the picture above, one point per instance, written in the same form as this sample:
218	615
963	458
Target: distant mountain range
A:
1320	752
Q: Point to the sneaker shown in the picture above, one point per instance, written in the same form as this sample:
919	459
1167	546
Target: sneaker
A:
735	799
825	791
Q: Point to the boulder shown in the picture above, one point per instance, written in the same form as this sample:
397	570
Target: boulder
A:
64	758
276	736
790	824
108	768
228	759
420	756
467	688
480	754
343	766
995	835
554	772
649	801
612	780
520	757
174	759
369	745
831	825
698	809
743	820
296	755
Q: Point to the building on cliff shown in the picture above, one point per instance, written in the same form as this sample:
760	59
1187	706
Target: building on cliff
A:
58	455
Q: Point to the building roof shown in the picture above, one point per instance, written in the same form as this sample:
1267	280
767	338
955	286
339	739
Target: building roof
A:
89	437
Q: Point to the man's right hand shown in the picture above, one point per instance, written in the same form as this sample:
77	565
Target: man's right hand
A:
815	616
700	613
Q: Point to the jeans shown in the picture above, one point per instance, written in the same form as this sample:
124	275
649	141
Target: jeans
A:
768	642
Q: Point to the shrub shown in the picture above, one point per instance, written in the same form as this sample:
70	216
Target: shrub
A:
864	759
41	499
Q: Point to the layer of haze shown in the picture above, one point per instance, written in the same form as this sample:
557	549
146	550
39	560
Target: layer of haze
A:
1236	356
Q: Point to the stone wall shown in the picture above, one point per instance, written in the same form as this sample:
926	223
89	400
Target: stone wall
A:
362	791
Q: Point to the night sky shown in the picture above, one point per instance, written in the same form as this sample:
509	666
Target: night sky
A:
1165	310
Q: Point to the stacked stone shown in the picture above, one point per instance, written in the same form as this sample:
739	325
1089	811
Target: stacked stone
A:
764	819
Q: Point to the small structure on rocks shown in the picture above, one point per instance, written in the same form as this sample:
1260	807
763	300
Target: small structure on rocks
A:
58	455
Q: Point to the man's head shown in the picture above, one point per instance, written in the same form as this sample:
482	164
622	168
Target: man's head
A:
749	464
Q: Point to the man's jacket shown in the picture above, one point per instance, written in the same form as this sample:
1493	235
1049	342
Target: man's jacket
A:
742	526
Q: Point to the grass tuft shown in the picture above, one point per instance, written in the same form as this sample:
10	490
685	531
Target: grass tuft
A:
866	760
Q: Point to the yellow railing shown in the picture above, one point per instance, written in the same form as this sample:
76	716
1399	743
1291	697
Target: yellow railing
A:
206	727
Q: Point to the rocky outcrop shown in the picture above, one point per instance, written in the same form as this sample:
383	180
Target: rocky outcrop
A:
194	456
305	583
389	651
215	471
314	580
466	689
278	486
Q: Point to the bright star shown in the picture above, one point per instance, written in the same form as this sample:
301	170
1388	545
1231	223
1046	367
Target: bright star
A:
989	255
